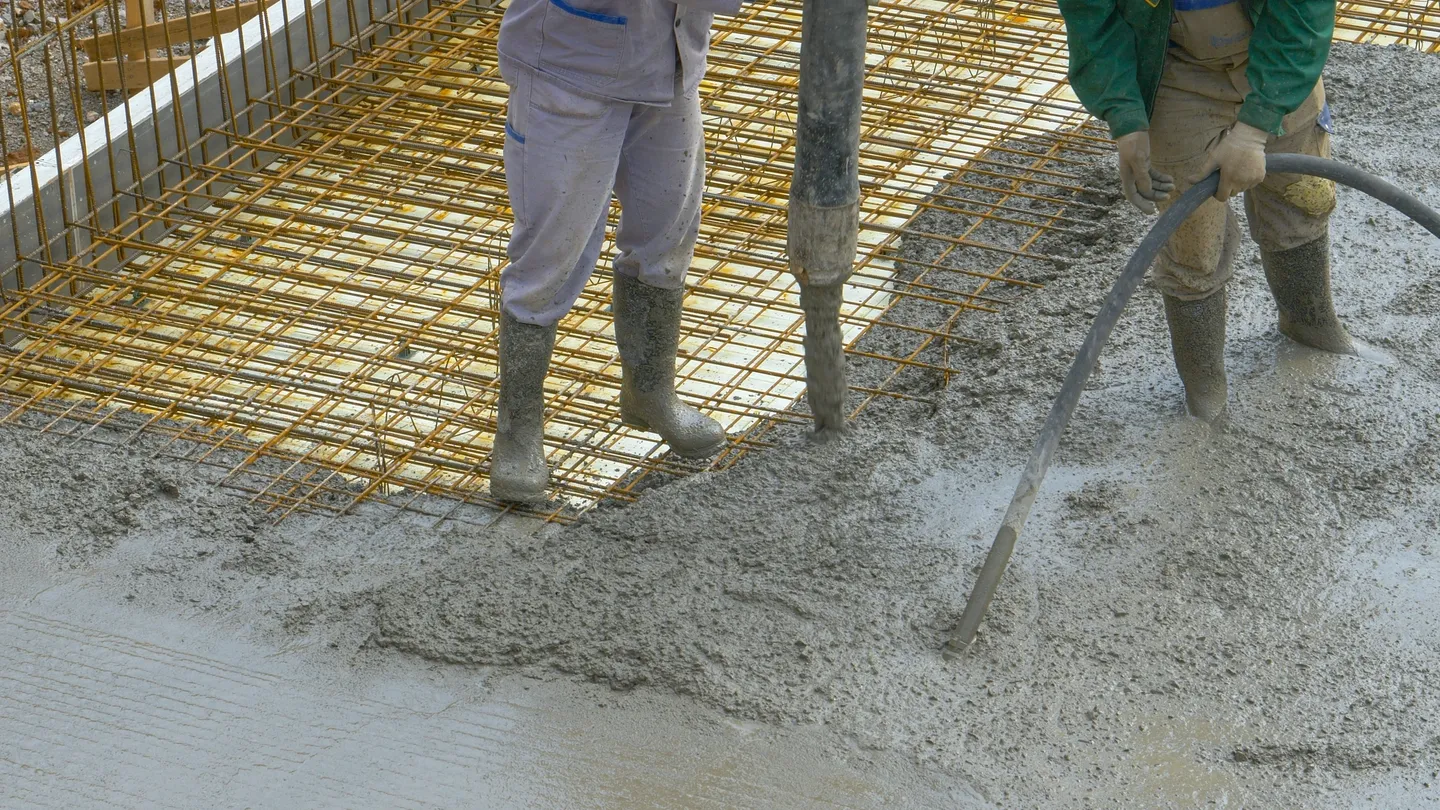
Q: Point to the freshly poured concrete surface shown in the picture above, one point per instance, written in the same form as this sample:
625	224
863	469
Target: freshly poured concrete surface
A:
108	706
1241	617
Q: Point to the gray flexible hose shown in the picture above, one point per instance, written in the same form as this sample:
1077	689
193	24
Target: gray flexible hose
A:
1125	286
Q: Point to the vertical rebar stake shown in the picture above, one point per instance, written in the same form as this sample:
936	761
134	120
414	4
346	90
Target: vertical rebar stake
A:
825	192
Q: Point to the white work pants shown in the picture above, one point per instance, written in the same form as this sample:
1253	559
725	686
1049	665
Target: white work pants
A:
565	153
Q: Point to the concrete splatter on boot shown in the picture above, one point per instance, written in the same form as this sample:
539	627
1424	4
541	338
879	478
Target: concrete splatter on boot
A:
647	330
1197	338
1300	281
517	465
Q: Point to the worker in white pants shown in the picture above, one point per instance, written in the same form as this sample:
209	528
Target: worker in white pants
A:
604	99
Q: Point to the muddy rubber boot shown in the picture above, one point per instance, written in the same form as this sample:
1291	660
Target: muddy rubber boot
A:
1197	338
647	330
1300	281
517	465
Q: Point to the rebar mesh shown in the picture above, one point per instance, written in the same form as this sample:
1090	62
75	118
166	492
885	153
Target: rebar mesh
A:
319	293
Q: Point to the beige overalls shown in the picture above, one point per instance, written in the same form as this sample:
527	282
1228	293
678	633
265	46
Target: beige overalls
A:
1201	90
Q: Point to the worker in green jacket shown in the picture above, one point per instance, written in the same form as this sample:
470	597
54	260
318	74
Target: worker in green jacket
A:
1191	86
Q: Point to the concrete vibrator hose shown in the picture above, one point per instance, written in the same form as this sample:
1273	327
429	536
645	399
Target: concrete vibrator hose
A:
1125	286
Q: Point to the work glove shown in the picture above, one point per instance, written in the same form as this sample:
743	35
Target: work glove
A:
1143	185
1240	157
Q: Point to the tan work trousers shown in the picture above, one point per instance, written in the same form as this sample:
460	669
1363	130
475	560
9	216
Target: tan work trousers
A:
1195	105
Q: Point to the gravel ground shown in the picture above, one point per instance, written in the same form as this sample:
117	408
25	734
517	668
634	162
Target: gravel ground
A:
54	97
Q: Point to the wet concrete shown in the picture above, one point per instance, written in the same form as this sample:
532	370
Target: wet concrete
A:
107	705
1195	617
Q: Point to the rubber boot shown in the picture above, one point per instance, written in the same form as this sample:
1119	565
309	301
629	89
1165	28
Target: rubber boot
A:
1197	338
517	465
1300	281
647	330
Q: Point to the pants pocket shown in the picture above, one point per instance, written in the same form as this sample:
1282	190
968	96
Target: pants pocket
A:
517	109
513	156
582	44
557	104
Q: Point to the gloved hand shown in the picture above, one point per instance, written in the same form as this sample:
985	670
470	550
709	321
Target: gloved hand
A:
1240	157
1143	186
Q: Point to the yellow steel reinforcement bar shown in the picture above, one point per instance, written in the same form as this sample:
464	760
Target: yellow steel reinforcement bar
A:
315	301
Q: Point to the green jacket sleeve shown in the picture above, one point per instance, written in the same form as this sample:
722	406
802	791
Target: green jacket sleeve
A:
1103	64
1287	53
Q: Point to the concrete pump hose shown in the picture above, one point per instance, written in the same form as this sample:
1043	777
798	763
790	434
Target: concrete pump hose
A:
1125	286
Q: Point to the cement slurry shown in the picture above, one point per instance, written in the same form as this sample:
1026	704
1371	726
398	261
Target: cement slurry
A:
110	717
134	675
1196	617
